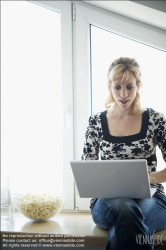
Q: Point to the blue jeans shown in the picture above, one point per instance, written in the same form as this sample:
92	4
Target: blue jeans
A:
131	222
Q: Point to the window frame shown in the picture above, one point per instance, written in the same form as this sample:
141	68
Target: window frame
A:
75	49
64	7
86	15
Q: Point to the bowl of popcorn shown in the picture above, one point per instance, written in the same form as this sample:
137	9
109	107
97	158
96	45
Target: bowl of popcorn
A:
40	206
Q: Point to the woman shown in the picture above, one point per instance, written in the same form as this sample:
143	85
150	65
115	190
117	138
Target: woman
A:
127	131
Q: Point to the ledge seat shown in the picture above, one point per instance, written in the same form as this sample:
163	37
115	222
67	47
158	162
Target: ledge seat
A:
77	225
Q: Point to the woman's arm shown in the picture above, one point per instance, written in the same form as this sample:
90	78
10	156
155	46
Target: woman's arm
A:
158	177
91	143
160	135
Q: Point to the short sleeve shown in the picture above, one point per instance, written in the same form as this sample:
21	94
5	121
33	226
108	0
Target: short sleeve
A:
91	143
160	133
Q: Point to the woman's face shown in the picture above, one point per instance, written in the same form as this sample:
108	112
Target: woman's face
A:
124	92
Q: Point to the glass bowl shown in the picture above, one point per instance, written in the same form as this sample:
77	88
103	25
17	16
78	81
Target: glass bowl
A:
40	206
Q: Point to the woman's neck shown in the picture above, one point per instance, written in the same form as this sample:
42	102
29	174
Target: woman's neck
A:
116	111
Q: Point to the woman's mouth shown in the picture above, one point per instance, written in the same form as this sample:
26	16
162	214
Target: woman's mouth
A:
123	102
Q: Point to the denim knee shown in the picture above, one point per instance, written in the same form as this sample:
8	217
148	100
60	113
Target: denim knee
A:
124	219
121	206
106	211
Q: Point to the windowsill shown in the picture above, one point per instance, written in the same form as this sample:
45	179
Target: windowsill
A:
66	223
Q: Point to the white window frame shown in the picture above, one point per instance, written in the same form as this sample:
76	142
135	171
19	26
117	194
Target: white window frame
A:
87	14
75	39
64	7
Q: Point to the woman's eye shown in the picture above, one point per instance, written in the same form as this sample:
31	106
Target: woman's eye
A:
117	87
129	87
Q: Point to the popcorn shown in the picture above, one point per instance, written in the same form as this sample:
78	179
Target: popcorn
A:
40	206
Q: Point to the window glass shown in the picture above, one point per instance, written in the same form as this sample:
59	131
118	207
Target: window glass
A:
107	46
32	124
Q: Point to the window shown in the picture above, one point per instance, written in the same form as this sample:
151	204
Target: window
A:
50	60
101	37
33	98
107	46
148	57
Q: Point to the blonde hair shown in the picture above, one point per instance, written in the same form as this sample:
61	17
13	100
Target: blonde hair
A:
121	67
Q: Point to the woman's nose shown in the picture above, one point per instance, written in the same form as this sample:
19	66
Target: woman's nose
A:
124	92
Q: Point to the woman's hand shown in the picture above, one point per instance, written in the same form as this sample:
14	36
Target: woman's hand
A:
158	177
152	178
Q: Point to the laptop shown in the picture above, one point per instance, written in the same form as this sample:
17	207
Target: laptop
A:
112	178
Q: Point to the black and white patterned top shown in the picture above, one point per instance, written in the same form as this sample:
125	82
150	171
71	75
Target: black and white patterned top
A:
99	144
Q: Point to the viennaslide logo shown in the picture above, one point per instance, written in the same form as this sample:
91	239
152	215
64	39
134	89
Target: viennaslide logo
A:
142	239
